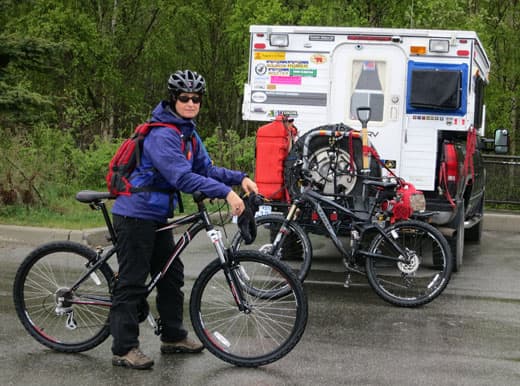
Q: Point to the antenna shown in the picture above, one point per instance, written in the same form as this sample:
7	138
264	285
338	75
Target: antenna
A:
411	15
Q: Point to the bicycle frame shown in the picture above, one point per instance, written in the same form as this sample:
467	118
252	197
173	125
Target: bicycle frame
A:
198	222
359	223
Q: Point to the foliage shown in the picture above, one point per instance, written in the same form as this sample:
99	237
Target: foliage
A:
233	152
76	76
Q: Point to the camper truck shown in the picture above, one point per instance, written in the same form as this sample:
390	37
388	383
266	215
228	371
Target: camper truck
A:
425	90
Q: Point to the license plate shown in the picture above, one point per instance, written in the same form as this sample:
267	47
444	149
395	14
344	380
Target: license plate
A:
264	210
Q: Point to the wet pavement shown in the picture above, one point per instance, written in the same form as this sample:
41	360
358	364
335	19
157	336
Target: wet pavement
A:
467	336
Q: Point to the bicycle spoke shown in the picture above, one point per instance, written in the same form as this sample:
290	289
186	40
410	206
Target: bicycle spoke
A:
260	333
420	277
48	309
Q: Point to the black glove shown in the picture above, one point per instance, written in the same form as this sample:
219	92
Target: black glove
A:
246	221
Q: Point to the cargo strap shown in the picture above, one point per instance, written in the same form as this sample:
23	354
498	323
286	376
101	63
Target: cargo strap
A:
471	144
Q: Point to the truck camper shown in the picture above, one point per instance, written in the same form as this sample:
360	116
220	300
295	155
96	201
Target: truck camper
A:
425	90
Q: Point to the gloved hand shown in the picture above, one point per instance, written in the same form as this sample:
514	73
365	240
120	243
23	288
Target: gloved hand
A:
246	221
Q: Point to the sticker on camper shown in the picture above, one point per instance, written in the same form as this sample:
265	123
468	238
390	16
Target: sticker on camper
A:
312	72
275	113
269	55
318	59
286	80
260	69
258	97
390	163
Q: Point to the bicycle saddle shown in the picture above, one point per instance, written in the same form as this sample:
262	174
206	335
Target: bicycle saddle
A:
381	184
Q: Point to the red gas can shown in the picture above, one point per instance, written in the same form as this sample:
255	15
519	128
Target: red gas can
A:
272	148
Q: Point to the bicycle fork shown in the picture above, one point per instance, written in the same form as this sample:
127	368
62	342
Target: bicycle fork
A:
232	271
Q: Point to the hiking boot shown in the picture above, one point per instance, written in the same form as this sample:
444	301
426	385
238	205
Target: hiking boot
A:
186	346
134	359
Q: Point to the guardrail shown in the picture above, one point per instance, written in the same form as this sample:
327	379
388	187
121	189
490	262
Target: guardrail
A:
503	179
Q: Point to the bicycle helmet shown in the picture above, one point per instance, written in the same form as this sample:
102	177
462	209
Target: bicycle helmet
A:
186	81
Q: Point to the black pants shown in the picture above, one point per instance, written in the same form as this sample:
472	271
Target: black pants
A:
142	251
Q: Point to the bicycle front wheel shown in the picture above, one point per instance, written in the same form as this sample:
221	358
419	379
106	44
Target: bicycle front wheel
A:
267	329
419	277
292	246
63	318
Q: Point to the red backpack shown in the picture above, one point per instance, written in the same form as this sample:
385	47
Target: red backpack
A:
128	157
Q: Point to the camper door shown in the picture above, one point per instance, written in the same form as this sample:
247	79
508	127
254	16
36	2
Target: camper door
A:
373	75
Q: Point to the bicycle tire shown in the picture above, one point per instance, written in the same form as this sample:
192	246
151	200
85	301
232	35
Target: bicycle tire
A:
426	275
295	248
44	276
249	339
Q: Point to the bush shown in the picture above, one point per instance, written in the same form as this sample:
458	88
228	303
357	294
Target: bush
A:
230	151
45	168
36	162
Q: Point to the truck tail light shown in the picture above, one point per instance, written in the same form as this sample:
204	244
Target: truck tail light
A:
382	38
452	169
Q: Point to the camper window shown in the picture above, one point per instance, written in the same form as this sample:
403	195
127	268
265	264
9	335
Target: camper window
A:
368	81
437	88
434	89
480	85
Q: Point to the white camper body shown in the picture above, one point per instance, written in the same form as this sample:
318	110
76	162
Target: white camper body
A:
420	85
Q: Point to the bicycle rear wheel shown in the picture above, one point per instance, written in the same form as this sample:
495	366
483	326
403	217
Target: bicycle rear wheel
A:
55	315
293	248
419	280
267	330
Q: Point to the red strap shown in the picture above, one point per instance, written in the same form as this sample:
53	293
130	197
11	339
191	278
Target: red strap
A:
443	182
351	151
471	144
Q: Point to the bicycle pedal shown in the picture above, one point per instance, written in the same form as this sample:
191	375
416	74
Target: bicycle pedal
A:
154	323
348	280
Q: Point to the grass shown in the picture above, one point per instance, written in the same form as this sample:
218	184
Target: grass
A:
67	213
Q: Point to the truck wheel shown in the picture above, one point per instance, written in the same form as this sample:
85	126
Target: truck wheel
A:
457	240
474	234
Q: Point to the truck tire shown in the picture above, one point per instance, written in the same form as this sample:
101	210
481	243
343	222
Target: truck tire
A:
474	234
456	241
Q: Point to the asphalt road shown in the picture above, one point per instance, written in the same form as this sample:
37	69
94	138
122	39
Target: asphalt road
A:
467	336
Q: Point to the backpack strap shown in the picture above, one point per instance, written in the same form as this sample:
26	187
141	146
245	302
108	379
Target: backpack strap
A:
187	152
143	130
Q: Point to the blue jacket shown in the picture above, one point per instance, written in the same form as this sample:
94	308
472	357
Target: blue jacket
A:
164	165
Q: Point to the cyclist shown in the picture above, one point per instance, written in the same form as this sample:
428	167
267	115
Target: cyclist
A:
165	168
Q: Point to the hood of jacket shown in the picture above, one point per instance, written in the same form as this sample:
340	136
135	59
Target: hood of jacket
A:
164	113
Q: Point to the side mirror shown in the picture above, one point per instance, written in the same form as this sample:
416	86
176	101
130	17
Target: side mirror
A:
501	141
363	115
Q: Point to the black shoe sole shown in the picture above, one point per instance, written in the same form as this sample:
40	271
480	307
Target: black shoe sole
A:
124	363
181	350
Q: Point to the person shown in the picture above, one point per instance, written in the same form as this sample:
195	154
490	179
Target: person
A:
291	128
292	131
165	167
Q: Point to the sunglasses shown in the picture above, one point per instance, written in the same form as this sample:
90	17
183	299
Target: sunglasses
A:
185	99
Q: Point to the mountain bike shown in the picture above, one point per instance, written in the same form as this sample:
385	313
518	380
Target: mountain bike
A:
62	294
408	262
